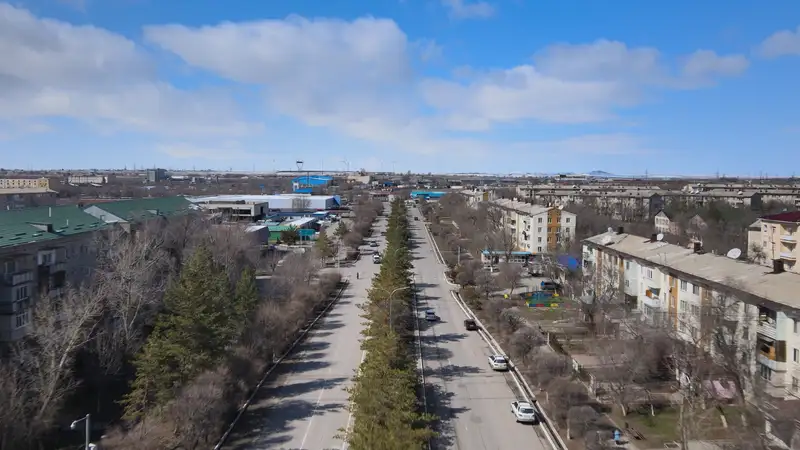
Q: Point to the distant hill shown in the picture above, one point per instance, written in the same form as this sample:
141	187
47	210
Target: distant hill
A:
601	174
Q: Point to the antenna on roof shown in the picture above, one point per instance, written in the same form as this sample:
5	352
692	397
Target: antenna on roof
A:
660	237
734	253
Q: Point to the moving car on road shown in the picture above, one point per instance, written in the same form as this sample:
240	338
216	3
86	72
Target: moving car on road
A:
470	324
524	412
373	244
376	258
431	316
498	362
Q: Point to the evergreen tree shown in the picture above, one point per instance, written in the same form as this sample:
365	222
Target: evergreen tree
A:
289	236
189	337
324	246
341	230
246	298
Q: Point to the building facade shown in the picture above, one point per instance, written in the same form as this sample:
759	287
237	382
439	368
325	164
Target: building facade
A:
534	228
775	237
676	287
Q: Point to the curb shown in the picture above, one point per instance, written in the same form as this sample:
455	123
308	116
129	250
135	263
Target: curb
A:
275	364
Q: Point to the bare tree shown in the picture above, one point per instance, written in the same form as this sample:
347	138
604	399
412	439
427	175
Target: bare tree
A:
198	411
510	276
353	240
485	283
601	294
580	419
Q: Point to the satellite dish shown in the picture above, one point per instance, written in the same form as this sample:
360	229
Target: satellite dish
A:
660	237
607	240
560	206
734	253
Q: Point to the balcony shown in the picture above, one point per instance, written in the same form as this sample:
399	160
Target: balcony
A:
788	256
18	278
58	267
768	359
766	328
788	239
651	300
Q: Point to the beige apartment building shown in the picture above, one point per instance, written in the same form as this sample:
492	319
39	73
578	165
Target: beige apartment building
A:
22	192
671	285
772	240
535	228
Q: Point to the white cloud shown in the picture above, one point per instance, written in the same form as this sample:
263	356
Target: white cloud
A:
55	69
222	152
463	9
705	63
781	43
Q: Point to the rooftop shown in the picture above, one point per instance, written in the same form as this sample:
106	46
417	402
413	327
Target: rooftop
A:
521	207
759	281
792	216
24	226
146	208
255	198
301	221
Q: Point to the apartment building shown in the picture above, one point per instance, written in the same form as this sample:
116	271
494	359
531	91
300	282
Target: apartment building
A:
775	237
672	285
21	192
535	228
41	250
665	224
478	195
622	203
83	180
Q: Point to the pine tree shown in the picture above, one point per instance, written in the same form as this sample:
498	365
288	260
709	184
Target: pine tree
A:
189	337
324	246
341	230
246	297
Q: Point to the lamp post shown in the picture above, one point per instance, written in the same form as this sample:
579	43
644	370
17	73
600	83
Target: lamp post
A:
74	426
391	294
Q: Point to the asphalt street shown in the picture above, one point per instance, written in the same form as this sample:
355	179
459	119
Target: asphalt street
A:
305	404
472	401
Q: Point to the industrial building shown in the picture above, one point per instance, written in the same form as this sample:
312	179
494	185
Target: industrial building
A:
307	183
427	194
277	203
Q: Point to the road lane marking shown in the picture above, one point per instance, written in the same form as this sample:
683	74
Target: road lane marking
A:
313	413
350	416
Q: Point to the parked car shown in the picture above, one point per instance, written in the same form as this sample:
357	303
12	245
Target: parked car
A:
498	362
470	324
524	412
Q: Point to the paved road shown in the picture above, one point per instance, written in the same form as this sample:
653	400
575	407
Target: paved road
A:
305	403
472	400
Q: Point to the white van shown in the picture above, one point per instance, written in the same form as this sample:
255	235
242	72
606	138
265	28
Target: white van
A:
376	258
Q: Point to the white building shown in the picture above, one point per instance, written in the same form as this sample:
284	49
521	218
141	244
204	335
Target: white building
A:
535	228
282	202
776	237
673	285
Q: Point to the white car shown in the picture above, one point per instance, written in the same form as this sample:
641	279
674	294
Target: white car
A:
524	412
431	316
498	362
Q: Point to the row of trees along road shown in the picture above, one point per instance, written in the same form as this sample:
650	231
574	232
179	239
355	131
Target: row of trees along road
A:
384	397
167	322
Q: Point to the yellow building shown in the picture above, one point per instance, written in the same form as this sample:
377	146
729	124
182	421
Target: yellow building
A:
25	184
772	241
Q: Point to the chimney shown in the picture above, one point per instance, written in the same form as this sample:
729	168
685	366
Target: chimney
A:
777	266
620	230
654	237
697	247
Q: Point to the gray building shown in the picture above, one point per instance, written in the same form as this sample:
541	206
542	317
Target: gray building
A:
156	175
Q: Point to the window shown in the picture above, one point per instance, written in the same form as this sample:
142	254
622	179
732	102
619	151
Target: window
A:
695	310
22	317
695	289
539	249
10	267
539	221
539	229
795	384
684	285
22	293
648	273
796	355
627	265
549	220
796	326
539	239
765	372
684	306
627	283
567	221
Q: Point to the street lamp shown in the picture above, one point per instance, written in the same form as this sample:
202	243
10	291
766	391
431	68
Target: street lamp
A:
74	426
391	294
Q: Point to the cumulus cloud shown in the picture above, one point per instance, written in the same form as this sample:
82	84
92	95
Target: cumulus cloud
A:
462	9
781	43
55	69
706	63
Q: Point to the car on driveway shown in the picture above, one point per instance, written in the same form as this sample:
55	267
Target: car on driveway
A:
524	412
373	244
498	362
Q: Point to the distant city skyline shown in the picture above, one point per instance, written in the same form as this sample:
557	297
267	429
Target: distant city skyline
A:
421	85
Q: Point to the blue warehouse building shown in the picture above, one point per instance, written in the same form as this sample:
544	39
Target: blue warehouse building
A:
427	194
307	183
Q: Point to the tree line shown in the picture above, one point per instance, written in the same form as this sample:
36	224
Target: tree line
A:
384	396
167	330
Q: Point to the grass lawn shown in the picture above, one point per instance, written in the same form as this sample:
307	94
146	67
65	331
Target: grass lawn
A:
658	429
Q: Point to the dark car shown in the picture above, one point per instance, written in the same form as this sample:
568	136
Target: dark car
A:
416	218
470	324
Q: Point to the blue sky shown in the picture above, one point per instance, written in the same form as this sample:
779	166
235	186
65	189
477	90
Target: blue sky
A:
507	86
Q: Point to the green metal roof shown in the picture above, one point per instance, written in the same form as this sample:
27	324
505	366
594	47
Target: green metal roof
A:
23	226
146	208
